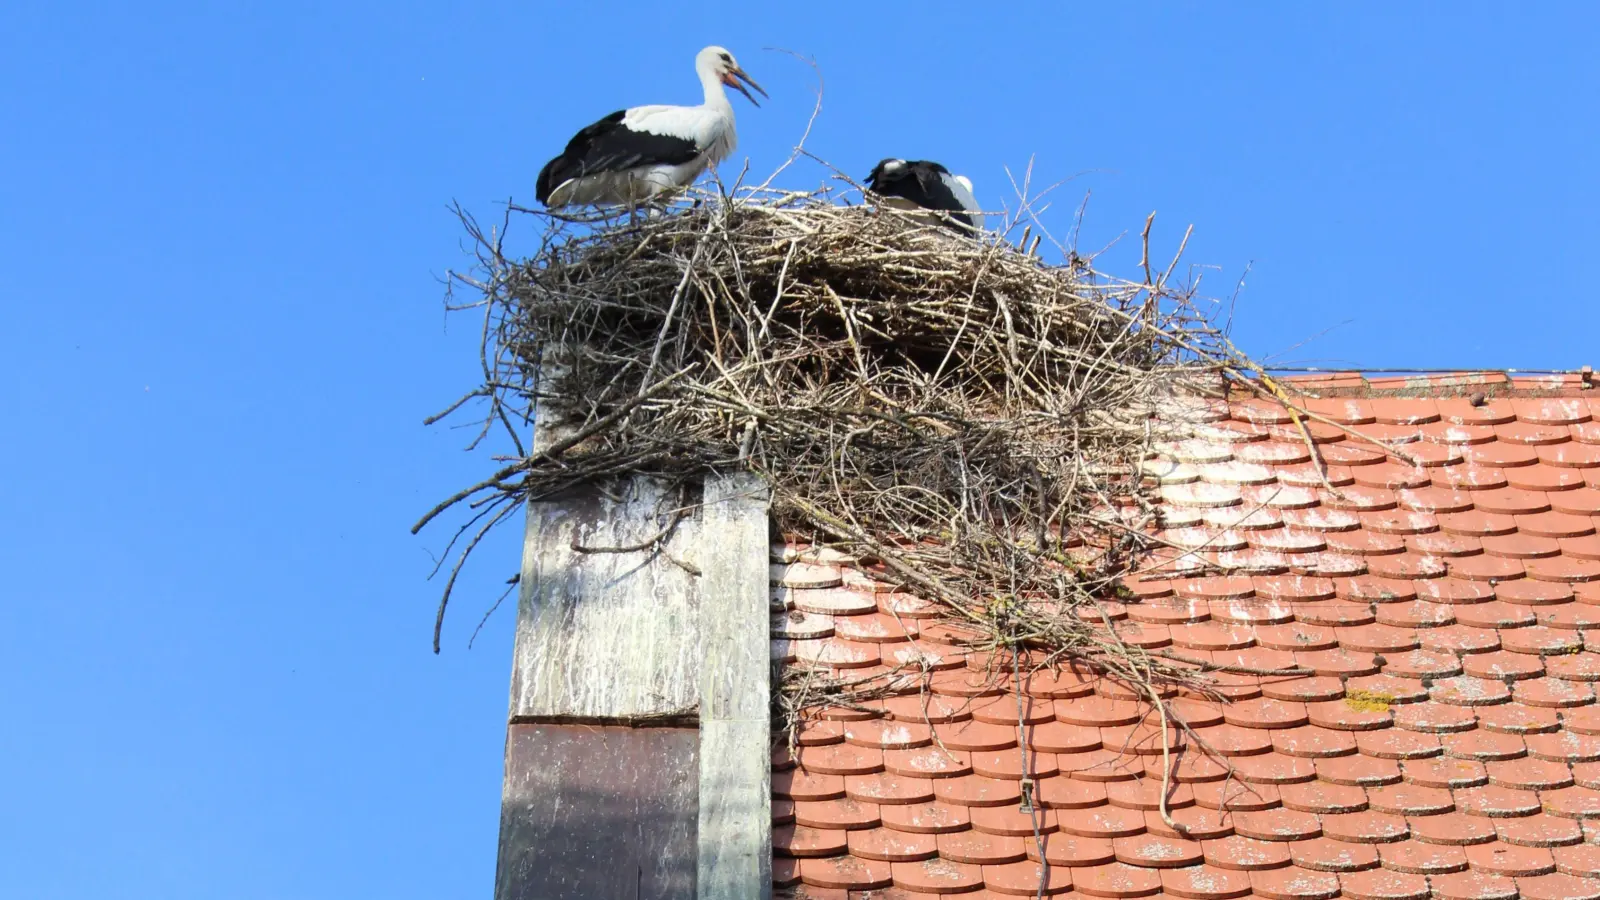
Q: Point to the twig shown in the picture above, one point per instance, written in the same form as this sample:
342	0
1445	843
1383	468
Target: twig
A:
1030	799
816	110
455	571
513	582
650	542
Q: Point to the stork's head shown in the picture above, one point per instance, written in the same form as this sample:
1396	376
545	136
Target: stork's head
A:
720	64
887	168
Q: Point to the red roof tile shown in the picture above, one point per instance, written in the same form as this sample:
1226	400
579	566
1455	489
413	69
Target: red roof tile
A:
1540	831
835	814
1023	879
937	876
1384	884
1452	829
1419	858
1295	883
1473	885
1115	880
1558	886
925	817
847	872
1446	743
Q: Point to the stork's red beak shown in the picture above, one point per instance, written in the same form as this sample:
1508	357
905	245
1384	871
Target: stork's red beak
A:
733	77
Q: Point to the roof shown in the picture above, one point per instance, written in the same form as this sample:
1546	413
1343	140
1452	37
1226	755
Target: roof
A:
1447	745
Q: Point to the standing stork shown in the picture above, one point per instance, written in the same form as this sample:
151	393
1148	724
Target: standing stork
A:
919	184
634	155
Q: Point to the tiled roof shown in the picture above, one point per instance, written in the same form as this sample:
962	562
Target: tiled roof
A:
1445	744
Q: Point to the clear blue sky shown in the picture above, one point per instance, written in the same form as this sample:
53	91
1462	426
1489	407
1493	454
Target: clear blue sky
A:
221	228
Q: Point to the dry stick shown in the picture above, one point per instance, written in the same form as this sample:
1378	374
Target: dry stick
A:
1022	746
475	392
1162	281
777	295
1144	257
1278	392
1195	550
677	297
1319	462
1296	412
646	544
1166	764
483	355
845	530
849	332
554	450
816	110
616	415
513	583
1293	410
492	481
850	532
438	619
716	332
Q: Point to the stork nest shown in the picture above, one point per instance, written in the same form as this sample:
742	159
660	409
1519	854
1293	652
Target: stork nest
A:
963	417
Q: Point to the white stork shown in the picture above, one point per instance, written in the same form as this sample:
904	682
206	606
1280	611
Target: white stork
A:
636	154
919	184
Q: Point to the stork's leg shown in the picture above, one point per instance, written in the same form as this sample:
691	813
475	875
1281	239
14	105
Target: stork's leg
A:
639	196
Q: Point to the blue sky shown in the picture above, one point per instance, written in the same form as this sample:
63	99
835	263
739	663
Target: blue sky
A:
222	227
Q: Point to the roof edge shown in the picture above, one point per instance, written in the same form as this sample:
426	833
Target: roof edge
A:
1439	383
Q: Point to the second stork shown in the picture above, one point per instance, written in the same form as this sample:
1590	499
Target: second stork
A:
919	184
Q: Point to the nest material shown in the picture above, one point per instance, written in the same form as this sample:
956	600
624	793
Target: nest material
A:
964	417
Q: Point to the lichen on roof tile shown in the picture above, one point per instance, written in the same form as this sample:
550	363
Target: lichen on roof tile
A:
1451	716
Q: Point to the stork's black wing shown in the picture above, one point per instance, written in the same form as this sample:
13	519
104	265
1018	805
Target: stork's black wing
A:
609	146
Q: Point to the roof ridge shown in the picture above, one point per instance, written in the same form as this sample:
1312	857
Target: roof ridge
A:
1440	382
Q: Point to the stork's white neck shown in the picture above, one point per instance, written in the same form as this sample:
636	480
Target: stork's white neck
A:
716	95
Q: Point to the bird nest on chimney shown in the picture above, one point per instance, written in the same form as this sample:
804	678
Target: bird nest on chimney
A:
967	416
